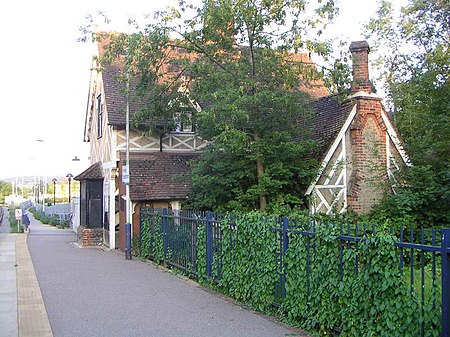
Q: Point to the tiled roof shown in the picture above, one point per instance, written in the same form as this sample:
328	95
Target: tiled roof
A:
94	172
115	85
160	176
115	95
329	115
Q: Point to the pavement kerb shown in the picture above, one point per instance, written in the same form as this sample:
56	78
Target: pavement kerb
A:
32	316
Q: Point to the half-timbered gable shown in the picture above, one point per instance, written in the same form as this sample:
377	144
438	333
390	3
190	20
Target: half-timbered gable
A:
359	147
105	130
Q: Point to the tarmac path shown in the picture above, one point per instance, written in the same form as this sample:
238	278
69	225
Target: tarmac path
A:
8	280
4	222
93	292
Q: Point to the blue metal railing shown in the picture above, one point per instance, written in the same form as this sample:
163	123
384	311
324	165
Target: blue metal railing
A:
421	252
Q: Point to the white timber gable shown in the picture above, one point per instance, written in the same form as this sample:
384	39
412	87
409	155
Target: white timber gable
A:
174	141
396	156
330	190
328	193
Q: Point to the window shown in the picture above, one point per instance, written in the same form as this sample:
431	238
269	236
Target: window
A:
185	122
99	116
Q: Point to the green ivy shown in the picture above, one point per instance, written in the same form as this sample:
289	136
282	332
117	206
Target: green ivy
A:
371	298
13	222
156	239
332	287
145	238
248	270
201	252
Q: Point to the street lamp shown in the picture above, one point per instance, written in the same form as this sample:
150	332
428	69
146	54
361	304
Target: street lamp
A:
69	177
54	190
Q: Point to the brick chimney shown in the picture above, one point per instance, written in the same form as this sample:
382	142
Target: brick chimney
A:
360	55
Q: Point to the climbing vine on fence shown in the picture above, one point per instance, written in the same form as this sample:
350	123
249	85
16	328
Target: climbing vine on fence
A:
248	268
201	251
356	292
311	291
152	244
353	287
145	238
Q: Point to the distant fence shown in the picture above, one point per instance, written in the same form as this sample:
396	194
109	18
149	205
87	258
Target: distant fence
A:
26	204
193	242
60	211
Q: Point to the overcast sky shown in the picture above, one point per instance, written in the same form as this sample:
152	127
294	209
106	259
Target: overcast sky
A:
45	77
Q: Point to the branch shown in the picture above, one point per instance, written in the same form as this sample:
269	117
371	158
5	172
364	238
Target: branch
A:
200	49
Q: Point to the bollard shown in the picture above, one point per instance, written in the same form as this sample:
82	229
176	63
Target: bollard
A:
128	241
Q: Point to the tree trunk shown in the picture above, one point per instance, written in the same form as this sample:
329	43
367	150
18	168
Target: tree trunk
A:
260	174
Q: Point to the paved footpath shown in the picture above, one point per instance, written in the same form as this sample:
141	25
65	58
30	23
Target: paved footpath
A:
8	286
22	309
93	292
8	279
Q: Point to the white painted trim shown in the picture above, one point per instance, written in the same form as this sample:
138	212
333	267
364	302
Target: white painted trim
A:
334	168
329	186
344	173
335	201
361	94
111	215
393	135
333	148
388	152
323	200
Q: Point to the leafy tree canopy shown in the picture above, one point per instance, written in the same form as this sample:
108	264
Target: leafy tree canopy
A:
414	49
232	69
5	188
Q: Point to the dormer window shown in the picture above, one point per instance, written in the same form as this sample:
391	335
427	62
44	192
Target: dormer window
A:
99	116
184	122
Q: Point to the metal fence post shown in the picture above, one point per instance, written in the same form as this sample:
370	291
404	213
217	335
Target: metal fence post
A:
164	219
209	241
285	238
285	235
445	257
127	241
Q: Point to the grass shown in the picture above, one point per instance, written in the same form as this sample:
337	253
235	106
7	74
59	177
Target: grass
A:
14	228
431	286
49	220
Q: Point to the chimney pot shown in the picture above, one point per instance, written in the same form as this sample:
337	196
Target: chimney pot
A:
360	55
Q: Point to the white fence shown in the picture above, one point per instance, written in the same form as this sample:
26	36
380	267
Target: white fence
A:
68	212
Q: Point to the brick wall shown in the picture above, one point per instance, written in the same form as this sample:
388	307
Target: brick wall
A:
368	178
89	237
360	66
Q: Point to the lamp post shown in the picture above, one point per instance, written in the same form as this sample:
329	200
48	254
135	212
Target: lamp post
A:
36	192
69	177
128	226
42	178
54	190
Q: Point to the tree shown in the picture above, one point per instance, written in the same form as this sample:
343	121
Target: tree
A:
249	82
237	60
415	50
5	188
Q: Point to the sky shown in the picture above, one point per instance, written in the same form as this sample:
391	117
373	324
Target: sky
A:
45	77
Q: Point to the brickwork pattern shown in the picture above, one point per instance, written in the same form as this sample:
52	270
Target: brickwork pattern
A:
368	165
88	237
360	54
